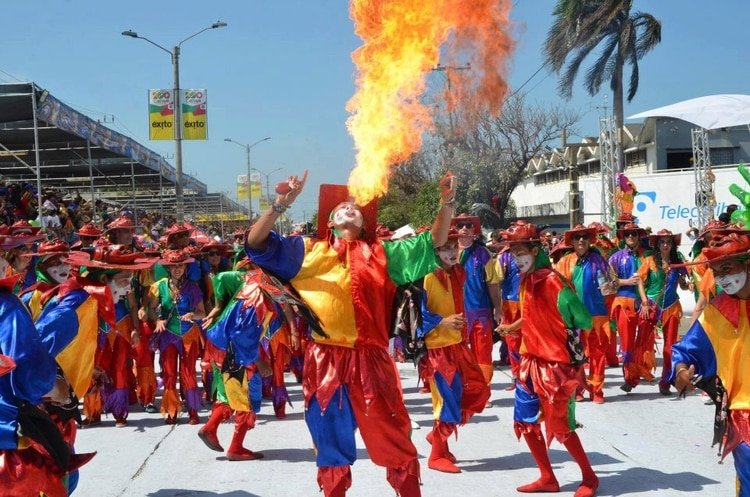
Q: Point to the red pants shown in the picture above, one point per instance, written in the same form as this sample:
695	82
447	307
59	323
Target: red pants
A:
670	322
169	358
480	344
144	364
596	350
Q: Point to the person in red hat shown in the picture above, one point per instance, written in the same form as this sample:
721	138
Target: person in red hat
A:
17	250
591	276
87	235
51	270
665	276
458	385
607	247
121	231
713	356
348	279
481	290
630	302
38	462
113	266
551	360
511	279
177	305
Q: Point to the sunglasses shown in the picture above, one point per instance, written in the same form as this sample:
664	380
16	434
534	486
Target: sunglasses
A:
211	254
630	233
464	225
580	237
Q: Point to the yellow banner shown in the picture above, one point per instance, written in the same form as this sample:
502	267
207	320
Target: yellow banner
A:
264	204
242	191
194	116
220	216
161	115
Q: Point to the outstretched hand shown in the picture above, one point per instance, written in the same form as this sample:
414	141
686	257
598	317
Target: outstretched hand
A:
447	187
295	186
683	380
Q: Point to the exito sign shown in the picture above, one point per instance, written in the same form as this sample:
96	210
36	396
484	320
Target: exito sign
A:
194	117
161	115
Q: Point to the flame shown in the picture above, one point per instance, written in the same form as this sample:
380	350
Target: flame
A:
402	42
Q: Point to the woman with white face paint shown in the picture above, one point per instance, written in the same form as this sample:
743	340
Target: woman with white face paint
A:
713	354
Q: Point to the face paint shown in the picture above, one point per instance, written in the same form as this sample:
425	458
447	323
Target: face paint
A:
348	214
59	273
732	283
524	262
448	255
119	291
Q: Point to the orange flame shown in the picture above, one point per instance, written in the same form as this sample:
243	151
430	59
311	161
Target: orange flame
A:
402	43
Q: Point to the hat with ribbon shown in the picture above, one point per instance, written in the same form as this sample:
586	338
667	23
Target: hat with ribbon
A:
213	246
172	257
630	227
579	229
727	246
176	229
90	230
121	222
107	256
22	228
653	239
521	232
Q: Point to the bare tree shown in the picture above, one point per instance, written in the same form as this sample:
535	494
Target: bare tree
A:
491	158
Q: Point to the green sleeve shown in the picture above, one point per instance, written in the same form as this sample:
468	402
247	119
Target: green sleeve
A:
226	284
573	311
410	259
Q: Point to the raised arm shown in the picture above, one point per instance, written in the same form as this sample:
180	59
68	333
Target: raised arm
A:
258	235
443	220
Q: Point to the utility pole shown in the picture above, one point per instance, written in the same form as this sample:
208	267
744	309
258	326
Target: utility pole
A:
574	196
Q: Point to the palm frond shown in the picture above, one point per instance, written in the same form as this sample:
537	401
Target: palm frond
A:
597	73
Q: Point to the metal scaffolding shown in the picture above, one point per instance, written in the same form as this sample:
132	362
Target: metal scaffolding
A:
608	160
705	200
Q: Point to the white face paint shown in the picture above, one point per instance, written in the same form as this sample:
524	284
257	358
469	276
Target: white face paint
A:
59	273
120	288
732	283
448	255
348	214
524	262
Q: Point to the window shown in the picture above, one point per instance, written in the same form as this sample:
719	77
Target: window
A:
722	155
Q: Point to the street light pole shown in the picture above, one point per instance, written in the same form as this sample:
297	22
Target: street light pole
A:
249	183
175	55
268	182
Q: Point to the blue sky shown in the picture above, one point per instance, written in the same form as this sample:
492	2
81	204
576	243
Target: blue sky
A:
282	68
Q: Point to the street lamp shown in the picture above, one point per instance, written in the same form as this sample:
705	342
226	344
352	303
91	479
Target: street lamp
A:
268	184
249	183
175	55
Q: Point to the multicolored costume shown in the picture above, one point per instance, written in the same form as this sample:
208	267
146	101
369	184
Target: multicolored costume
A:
481	272
637	349
349	379
552	317
458	386
587	273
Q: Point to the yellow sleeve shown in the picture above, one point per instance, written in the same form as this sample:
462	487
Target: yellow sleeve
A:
492	272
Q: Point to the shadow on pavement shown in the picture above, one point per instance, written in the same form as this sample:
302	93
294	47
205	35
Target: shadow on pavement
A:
176	492
638	480
523	459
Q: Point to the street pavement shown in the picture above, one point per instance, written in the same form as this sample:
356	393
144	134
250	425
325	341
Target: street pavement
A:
640	443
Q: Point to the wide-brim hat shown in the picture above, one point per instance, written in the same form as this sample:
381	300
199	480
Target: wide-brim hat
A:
176	229
521	232
223	248
52	247
172	257
630	227
600	228
10	242
722	247
625	218
465	218
90	230
577	230
117	257
23	228
333	195
122	222
560	249
653	239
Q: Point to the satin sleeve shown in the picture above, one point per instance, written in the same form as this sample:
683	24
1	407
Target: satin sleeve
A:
411	258
282	256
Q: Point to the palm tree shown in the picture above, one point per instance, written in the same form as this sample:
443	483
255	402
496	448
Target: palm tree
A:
581	26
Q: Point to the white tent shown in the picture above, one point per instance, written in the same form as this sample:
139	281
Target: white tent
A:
710	112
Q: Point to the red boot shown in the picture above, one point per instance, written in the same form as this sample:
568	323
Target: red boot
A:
334	481
440	456
590	480
547	481
207	433
405	479
243	421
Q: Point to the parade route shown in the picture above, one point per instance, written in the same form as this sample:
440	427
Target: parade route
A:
640	444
